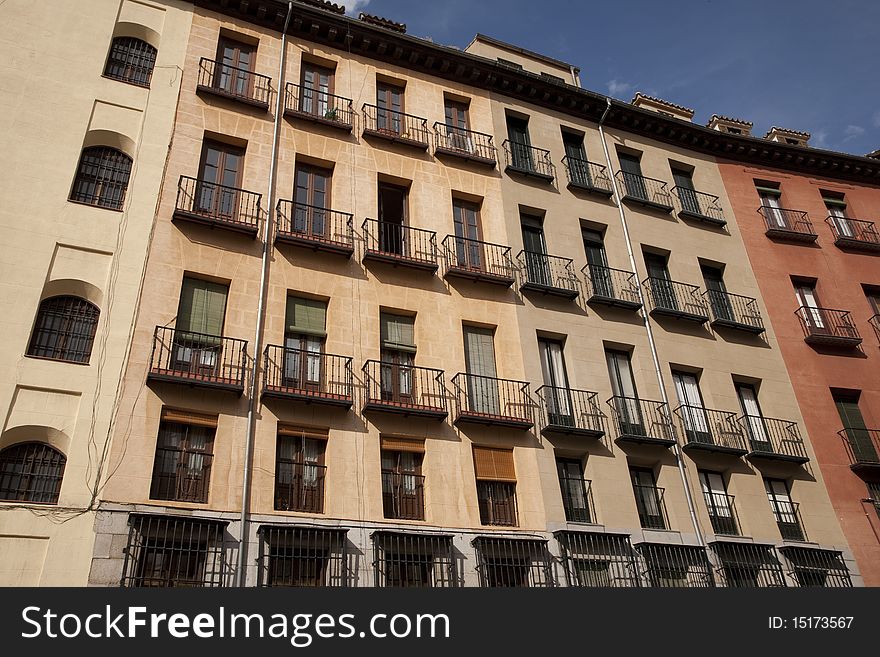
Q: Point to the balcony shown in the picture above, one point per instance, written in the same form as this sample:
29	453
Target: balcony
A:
491	401
299	486
311	227
587	176
773	439
651	507
307	376
577	499
677	300
735	312
404	389
646	192
642	421
722	513
465	144
198	359
395	127
875	324
788	519
234	83
218	206
547	274
400	245
477	261
528	161
711	431
788	225
612	287
826	327
854	235
570	412
403	495
318	106
699	206
863	449
182	475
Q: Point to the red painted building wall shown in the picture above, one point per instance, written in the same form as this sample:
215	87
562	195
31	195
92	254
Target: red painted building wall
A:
840	277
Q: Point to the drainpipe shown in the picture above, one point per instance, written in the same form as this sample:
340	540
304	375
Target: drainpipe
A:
657	370
258	337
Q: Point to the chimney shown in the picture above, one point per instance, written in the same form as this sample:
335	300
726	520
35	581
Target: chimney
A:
662	107
729	125
790	137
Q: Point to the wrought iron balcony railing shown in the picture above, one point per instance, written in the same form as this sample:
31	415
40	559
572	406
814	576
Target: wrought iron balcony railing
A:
577	499
528	160
181	475
466	144
198	359
854	234
823	326
772	438
403	495
299	486
400	245
651	507
673	299
862	447
648	192
404	389
216	205
735	311
309	226
318	106
548	274
309	376
788	225
492	401
699	206
711	430
497	503
788	519
478	261
570	411
587	176
235	83
396	126
642	421
722	513
612	287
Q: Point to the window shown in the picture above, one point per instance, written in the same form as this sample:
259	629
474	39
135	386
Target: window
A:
510	562
861	446
684	183
31	472
633	180
836	206
873	297
718	503
520	143
676	566
814	315
102	177
302	556
662	288
576	499
597	261
403	485
770	201
217	192
713	277
317	87
458	126
479	352
413	560
812	567
576	159
496	486
649	498
130	60
538	269
784	510
627	409
392	219
200	313
759	434
311	197
398	352
745	565
389	107
598	560
304	344
184	453
692	411
236	62
468	249
64	330
299	470
558	395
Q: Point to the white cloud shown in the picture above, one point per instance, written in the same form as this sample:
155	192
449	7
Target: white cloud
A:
352	7
852	132
617	88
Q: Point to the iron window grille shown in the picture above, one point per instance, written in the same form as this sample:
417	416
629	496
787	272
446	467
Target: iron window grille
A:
304	556
405	559
168	551
182	469
598	560
675	566
64	330
31	472
299	475
497	502
513	562
812	567
131	60
102	177
748	565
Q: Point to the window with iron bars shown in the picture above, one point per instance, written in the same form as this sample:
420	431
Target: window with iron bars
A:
102	177
167	551
497	502
182	468
299	474
598	560
131	60
64	330
675	566
31	472
403	559
816	568
513	562
747	565
303	556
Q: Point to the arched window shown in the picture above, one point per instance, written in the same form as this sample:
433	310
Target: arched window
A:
102	177
65	329
131	60
31	472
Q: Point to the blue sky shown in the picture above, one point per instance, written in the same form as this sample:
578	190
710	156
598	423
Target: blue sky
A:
810	65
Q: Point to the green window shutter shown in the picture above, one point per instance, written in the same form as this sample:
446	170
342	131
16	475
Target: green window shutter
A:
202	307
682	179
306	316
629	164
397	332
839	202
771	191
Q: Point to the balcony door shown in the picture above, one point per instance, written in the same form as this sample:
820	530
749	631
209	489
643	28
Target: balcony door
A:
535	251
759	437
713	277
633	180
401	484
392	219
575	498
389	108
576	157
304	344
717	502
837	212
316	88
690	202
468	249
199	327
647	496
559	405
770	201
299	474
236	62
520	143
458	126
398	355
597	262
626	402
783	508
813	315
693	415
220	172
311	201
661	284
863	449
479	350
